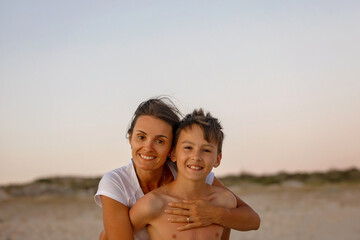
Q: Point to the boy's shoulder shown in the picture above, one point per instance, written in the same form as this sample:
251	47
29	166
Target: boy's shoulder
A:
152	203
147	209
222	197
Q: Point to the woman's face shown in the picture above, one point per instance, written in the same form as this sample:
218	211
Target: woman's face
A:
150	142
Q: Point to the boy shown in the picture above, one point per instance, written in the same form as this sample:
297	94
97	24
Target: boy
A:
197	149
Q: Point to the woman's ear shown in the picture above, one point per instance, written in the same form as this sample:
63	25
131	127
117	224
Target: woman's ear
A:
218	160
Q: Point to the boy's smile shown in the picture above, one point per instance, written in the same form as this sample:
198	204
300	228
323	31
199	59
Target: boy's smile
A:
196	168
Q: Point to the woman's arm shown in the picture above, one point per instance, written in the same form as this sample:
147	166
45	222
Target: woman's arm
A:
116	220
242	218
226	234
202	213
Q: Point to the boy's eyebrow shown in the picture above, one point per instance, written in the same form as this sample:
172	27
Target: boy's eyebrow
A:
147	134
204	145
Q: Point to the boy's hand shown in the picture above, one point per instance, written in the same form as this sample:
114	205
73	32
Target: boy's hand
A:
200	213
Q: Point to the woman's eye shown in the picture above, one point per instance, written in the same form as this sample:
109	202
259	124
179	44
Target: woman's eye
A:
140	137
160	141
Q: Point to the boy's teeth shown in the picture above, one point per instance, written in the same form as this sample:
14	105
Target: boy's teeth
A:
146	157
195	167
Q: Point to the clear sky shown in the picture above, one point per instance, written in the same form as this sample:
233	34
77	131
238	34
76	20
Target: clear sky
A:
282	76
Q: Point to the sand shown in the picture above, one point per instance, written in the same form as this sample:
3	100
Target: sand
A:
287	212
321	213
49	218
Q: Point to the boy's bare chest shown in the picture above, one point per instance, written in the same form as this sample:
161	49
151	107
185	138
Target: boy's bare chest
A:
161	228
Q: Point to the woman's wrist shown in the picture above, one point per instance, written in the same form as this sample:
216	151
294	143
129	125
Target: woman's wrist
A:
220	214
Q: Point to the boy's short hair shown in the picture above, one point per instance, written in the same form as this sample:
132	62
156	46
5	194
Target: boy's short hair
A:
211	127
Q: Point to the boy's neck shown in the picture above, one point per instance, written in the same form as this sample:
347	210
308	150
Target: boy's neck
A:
188	189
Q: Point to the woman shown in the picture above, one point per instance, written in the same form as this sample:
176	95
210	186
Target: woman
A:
150	137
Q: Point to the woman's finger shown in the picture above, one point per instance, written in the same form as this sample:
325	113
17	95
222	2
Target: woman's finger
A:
178	219
180	212
180	205
188	226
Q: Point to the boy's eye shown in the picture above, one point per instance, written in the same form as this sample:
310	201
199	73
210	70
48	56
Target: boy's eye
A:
207	150
188	147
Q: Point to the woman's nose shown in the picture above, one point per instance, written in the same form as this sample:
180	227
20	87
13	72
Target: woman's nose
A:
148	145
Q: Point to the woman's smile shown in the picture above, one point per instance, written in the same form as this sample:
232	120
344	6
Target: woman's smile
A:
147	157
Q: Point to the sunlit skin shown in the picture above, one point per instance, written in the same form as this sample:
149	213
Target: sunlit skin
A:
150	146
195	159
150	142
195	156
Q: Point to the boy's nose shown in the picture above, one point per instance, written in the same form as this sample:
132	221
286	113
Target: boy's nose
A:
197	156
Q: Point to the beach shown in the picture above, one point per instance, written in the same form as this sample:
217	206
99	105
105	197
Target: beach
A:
290	211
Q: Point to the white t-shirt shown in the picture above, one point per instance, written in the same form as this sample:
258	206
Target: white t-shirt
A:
122	185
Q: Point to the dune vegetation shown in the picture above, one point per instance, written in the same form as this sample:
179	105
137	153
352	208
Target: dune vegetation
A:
70	186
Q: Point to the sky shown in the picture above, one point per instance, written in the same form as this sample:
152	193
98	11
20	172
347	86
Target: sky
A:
283	77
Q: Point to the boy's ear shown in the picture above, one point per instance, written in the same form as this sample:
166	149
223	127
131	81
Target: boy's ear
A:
218	160
172	155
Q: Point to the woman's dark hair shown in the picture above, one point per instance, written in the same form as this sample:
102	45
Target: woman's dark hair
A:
159	107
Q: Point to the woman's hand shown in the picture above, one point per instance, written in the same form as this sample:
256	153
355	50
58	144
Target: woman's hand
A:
200	213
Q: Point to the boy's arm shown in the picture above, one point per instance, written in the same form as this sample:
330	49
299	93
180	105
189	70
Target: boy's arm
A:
226	234
203	213
138	216
145	209
225	199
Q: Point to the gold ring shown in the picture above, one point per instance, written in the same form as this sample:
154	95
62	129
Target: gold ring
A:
188	219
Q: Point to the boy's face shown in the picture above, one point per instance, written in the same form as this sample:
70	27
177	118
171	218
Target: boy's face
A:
194	155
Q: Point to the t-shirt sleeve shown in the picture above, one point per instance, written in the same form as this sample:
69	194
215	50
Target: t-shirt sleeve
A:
111	185
210	178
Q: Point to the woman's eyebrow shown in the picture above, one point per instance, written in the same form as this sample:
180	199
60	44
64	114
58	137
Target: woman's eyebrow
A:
163	136
147	134
141	132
